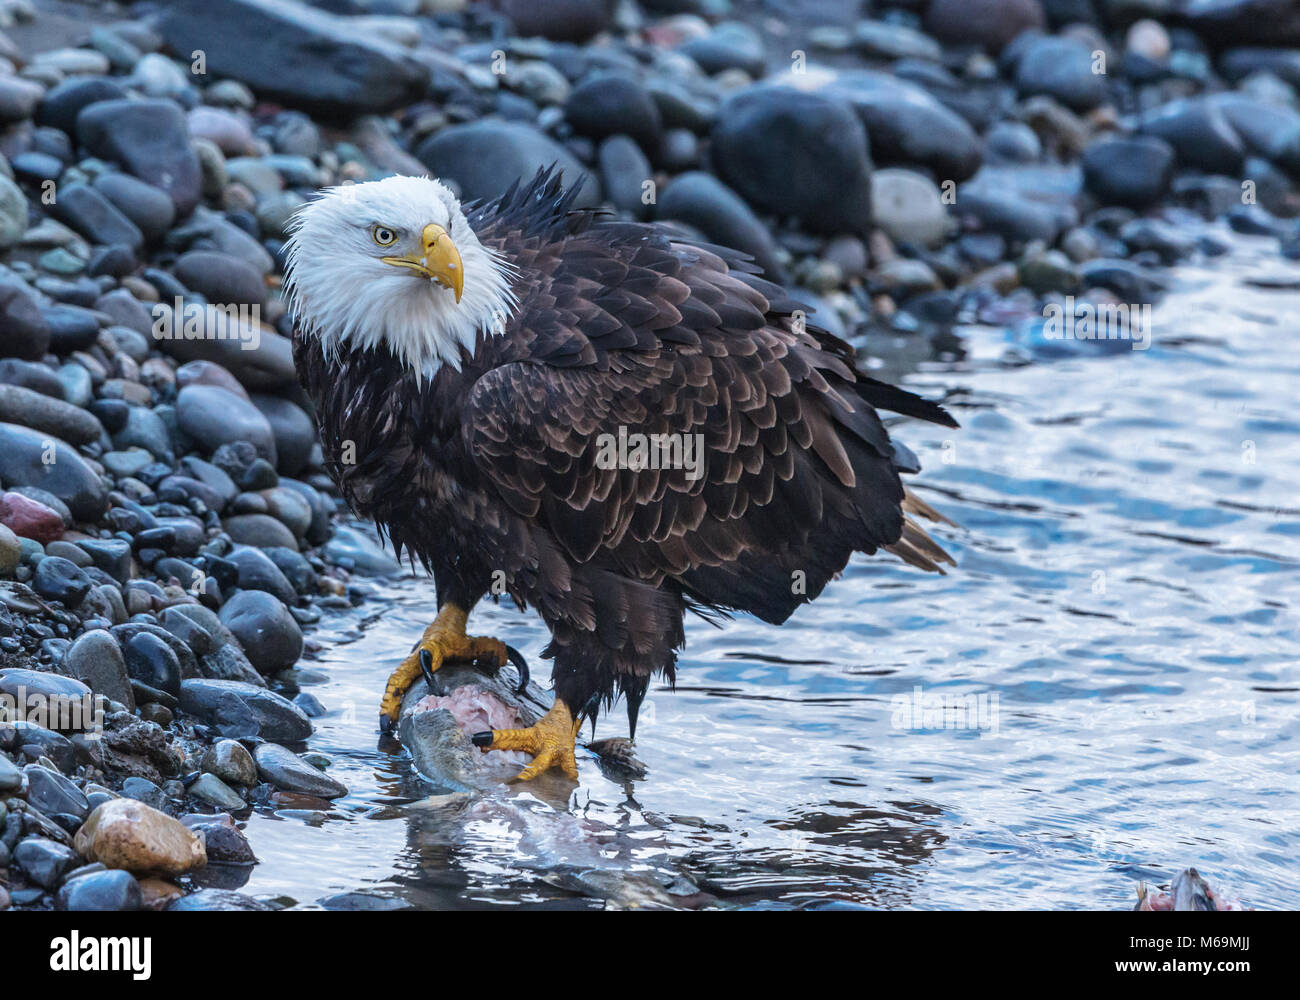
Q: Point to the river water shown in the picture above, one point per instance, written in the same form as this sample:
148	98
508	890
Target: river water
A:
1121	632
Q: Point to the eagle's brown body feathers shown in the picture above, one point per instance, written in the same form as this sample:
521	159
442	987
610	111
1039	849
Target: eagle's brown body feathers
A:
489	475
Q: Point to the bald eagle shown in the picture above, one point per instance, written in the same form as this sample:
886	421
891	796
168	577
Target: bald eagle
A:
605	420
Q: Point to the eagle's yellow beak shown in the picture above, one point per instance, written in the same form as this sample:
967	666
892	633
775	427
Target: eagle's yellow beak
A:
440	260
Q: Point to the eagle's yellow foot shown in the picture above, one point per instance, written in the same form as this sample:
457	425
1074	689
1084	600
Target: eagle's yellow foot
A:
443	641
550	741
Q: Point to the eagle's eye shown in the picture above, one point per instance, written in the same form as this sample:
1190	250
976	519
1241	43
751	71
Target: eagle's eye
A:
382	235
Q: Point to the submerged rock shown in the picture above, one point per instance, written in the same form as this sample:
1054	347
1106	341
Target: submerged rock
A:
291	773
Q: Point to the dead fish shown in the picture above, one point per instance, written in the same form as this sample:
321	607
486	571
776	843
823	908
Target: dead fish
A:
623	890
1188	892
1192	893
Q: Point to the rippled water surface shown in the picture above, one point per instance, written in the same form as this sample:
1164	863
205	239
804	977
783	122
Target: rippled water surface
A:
1125	599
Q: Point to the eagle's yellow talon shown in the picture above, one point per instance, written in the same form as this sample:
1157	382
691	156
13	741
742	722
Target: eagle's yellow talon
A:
550	740
445	641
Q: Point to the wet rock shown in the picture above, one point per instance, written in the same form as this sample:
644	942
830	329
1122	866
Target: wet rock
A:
11	551
1199	133
18	99
53	416
222	279
258	358
882	40
260	530
96	660
37	741
1264	22
241	710
730	45
53	794
150	140
612	104
87	211
624	170
227	130
130	835
156	893
28	518
906	125
989	23
149	208
1061	68
213	417
216	899
30	458
268	634
292	429
258	572
212	790
561	20
796	154
43	861
484	158
13	213
1268	129
100	891
230	762
152	661
63	102
11	779
289	772
59	579
336	69
24	332
225	844
354	550
909	207
145	429
31	375
144	790
702	201
1133	171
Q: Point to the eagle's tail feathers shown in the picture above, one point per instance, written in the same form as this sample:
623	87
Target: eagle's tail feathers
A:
918	549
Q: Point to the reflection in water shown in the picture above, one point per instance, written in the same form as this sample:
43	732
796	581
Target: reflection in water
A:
1125	598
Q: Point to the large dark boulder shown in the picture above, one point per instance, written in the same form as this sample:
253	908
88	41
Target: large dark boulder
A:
484	158
149	139
295	54
703	202
796	154
988	23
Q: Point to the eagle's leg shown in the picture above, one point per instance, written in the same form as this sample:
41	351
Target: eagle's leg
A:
443	641
550	740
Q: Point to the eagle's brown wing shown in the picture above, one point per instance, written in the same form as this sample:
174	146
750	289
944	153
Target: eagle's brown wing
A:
629	330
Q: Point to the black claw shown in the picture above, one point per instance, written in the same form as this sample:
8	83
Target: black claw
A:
521	665
482	739
426	668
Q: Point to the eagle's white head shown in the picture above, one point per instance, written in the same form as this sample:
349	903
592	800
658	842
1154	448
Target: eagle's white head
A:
395	264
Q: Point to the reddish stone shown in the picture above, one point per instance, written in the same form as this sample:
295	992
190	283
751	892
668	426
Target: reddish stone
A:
27	518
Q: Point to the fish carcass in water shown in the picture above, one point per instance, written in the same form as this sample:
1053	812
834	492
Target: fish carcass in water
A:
1188	892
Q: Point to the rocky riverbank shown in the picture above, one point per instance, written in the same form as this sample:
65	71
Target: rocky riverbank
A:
168	537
